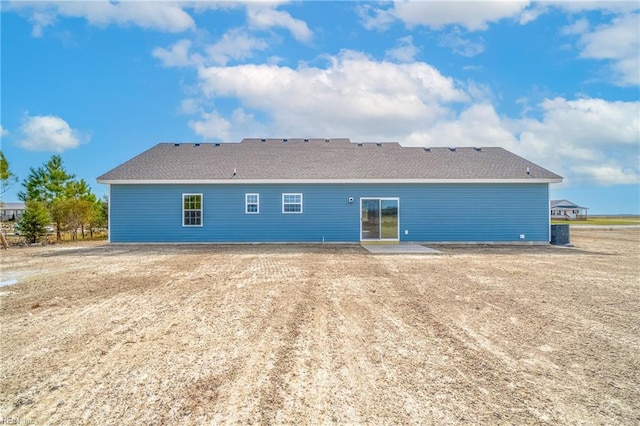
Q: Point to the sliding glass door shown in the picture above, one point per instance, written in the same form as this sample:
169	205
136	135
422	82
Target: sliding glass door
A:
379	219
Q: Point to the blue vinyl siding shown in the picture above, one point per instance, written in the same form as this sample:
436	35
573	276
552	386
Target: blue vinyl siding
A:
430	212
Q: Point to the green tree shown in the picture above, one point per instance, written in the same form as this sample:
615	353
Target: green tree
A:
7	178
47	184
98	217
81	191
34	221
72	214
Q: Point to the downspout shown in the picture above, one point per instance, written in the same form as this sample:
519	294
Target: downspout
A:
109	213
548	215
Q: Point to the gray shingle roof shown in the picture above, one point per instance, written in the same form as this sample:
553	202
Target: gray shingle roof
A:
565	204
322	159
13	206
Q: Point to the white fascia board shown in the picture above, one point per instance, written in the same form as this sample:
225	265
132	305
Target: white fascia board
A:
313	181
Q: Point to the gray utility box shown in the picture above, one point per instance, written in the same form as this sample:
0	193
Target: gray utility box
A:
560	235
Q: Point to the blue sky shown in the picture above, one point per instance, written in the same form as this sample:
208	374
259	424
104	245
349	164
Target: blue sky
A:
555	82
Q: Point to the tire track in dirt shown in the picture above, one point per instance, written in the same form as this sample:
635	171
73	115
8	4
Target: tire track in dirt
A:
446	353
504	366
256	285
273	397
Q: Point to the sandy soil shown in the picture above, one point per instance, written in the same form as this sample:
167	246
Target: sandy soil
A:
98	334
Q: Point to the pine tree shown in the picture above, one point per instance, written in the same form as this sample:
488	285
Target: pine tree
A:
34	221
46	183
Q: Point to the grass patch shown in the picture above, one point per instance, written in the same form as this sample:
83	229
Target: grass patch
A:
617	220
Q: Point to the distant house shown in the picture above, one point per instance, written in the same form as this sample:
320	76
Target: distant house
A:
565	209
327	190
11	211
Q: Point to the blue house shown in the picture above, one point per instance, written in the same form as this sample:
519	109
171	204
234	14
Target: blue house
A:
326	190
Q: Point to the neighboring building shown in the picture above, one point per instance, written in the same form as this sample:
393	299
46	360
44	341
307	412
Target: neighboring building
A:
565	209
331	190
11	211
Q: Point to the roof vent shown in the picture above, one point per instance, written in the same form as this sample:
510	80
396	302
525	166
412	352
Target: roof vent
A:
360	144
427	149
327	140
477	149
217	144
197	144
263	140
452	149
306	140
528	171
176	144
378	144
285	140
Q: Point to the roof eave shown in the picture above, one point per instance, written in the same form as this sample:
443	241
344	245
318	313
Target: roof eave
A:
316	181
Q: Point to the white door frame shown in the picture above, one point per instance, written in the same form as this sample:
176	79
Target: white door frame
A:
380	199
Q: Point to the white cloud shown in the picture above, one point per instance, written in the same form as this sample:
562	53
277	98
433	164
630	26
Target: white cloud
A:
212	126
49	133
607	6
178	55
609	174
473	15
579	27
405	51
478	125
190	106
354	96
585	137
236	44
161	16
3	132
461	46
595	123
261	17
374	18
40	20
619	43
588	140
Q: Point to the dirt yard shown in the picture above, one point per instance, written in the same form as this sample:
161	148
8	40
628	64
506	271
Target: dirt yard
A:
99	334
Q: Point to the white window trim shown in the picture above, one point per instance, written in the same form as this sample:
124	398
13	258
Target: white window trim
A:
283	203
201	210
246	203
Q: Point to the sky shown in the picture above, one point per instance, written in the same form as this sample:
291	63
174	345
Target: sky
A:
99	82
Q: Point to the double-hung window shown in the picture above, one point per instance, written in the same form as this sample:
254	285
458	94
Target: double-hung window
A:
291	203
191	209
252	203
